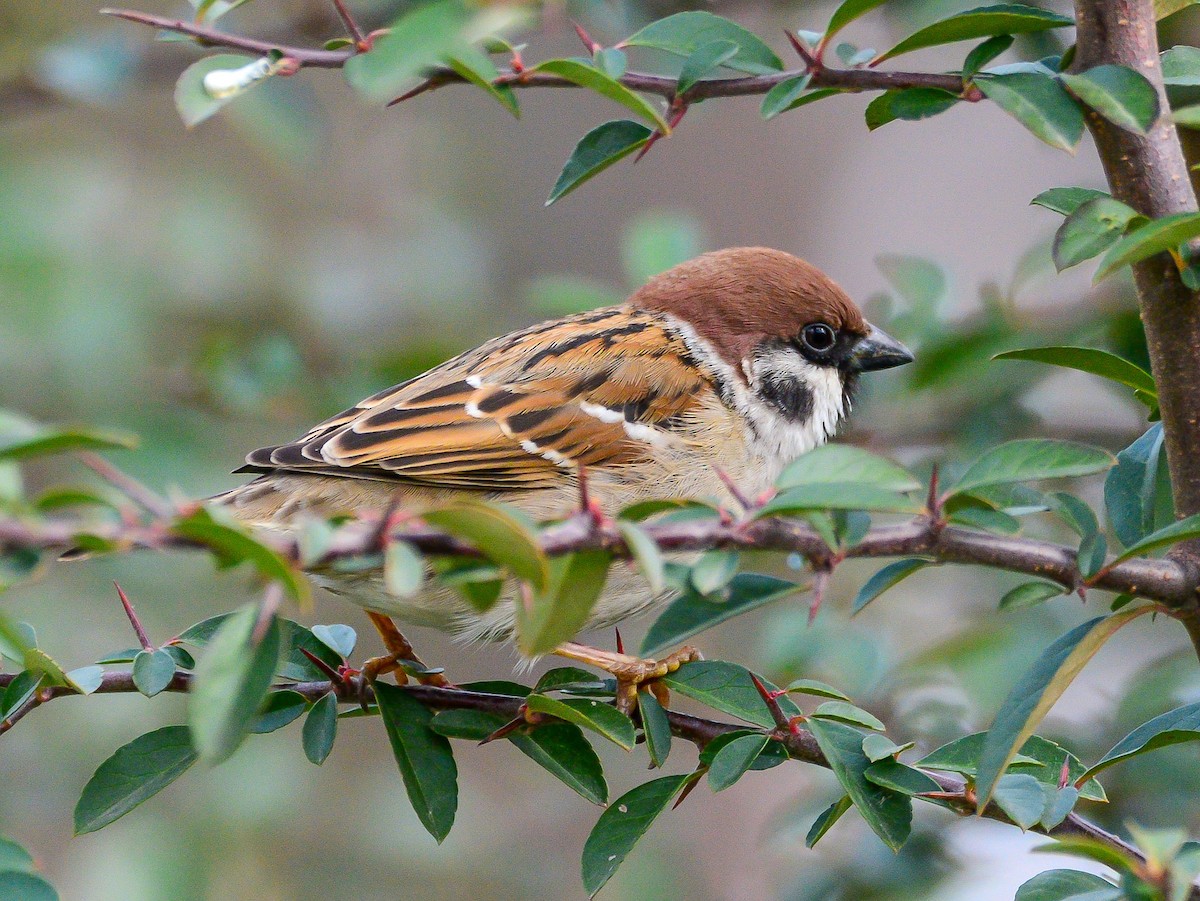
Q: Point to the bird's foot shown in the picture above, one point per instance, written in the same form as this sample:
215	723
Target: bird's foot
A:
400	659
630	672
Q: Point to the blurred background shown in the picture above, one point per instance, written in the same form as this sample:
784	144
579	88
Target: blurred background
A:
223	288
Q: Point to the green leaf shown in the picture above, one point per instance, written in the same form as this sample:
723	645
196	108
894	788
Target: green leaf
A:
45	441
564	677
841	463
563	750
599	716
684	33
703	61
732	761
1021	797
814	687
643	549
1029	594
825	821
1121	95
1067	885
1091	849
892	774
153	671
1155	237
281	708
1164	8
1035	693
985	53
888	813
847	12
714	570
477	68
1178	531
1090	360
1089	231
403	569
691	613
728	688
1039	757
1039	103
620	827
1007	18
425	759
611	61
501	534
596	151
1137	493
655	727
18	886
19	691
416	42
1181	66
14	857
784	95
193	100
232	679
1173	727
835	496
1093	546
1027	460
339	638
880	747
1059	806
889	576
294	665
909	104
562	609
133	774
588	76
320	729
804	99
848	713
1187	116
1066	200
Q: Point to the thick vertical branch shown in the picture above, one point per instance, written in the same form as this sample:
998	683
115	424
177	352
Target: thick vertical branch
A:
1149	173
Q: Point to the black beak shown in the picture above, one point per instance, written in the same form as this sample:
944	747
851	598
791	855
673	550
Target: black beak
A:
879	350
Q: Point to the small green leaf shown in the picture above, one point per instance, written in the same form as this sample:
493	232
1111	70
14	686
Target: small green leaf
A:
732	761
1187	116
784	95
892	774
599	716
813	687
1021	797
649	558
656	728
985	53
14	857
1173	727
691	613
320	729
416	42
45	441
19	886
1089	231
502	534
232	545
1090	360
281	708
714	570
1027	460
1066	200
403	569
684	33
880	747
1155	237
1178	531
825	821
848	713
1029	594
86	679
728	688
1093	546
232	679
1035	693
888	813
562	608
835	496
1062	802
338	638
194	101
19	691
478	69
847	12
1121	95
1039	103
909	104
588	76
564	677
133	774
600	148
1068	885
1137	493
1181	66
1039	757
563	751
889	576
1014	18
611	61
841	463
704	60
1091	849
620	827
425	759
153	671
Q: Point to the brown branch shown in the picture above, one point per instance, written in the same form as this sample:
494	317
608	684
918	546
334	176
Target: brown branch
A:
360	39
800	744
822	77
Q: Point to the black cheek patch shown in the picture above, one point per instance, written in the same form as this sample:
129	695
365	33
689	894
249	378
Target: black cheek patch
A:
789	394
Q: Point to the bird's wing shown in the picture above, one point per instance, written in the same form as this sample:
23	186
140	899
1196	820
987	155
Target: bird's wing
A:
521	411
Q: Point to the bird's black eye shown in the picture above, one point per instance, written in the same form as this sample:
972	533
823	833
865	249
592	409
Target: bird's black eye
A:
818	336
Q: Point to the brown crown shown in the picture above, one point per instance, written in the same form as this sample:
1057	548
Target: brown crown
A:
742	295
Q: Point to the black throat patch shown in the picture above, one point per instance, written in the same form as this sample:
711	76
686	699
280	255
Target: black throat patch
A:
787	393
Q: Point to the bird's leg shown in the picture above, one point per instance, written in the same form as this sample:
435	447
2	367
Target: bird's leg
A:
629	671
399	653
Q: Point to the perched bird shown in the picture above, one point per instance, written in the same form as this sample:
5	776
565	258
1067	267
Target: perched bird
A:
735	362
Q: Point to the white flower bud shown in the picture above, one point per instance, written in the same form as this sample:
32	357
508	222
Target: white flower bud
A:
221	84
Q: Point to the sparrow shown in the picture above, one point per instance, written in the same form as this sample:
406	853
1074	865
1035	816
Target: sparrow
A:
721	370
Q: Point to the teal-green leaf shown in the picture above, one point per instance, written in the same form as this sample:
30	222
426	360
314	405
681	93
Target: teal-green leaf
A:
645	552
563	751
837	496
1155	237
1090	360
714	570
656	728
1027	460
611	61
1029	594
600	148
1137	494
1060	803
691	613
728	688
153	671
43	441
1035	693
845	712
416	42
1173	727
782	96
1089	231
1040	103
1181	66
19	886
320	729
1066	200
477	68
1021	797
985	21
599	716
847	12
704	60
734	759
425	759
559	611
891	774
816	688
14	857
888	813
880	747
1187	116
403	569
1121	95
19	691
338	637
620	827
281	707
231	682
133	774
505	536
588	76
909	104
825	821
1178	531
1068	885
889	576
1039	757
986	52
684	33
842	463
